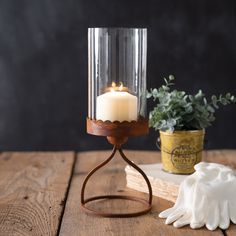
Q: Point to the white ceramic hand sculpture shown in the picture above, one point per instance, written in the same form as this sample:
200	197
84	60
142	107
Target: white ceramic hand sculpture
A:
207	197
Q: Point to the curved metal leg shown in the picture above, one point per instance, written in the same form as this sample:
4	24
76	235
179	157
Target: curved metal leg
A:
140	171
94	170
146	203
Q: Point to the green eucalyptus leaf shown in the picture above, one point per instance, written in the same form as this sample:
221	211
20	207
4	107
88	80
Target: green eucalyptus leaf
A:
210	109
148	95
224	101
228	96
165	81
176	110
190	97
233	99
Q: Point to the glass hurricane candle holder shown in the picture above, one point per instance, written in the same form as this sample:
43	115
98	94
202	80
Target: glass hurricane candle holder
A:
117	100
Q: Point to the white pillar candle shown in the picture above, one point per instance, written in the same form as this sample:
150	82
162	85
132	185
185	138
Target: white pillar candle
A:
116	106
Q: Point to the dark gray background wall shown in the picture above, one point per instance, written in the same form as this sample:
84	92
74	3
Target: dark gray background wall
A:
43	64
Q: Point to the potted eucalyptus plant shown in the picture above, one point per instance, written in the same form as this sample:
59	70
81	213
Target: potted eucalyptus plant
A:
181	120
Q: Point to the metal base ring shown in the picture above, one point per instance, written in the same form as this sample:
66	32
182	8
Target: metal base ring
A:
148	203
88	210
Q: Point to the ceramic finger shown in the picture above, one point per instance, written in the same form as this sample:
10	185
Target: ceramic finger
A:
174	216
232	211
184	220
224	215
213	216
166	213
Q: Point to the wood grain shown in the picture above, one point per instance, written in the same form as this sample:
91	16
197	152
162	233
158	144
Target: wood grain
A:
33	187
112	179
226	157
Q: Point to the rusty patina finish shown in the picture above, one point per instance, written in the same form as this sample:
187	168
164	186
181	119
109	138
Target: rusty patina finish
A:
181	150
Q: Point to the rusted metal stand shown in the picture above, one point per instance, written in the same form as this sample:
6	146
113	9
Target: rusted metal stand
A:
117	134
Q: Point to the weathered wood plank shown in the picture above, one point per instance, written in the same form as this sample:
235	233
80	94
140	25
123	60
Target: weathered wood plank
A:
32	191
112	179
231	231
226	157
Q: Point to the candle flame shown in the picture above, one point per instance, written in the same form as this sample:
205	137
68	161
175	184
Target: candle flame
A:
121	86
114	88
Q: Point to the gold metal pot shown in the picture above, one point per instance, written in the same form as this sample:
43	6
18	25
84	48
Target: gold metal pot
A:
181	150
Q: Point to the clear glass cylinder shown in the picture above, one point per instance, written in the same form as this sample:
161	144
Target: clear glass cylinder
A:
117	73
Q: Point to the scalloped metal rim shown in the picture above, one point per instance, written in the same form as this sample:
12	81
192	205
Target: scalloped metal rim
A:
117	128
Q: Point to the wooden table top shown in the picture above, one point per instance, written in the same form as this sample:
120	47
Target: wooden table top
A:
40	195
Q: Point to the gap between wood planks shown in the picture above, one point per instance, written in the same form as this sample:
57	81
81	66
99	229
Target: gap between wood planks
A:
67	193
